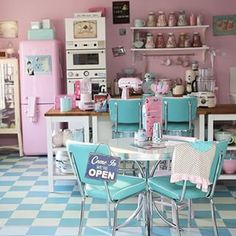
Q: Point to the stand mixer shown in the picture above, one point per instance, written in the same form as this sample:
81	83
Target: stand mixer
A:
127	83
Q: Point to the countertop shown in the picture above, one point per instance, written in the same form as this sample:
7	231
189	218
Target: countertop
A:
74	112
218	109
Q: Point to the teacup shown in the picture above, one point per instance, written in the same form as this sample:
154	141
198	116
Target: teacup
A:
224	135
234	137
139	22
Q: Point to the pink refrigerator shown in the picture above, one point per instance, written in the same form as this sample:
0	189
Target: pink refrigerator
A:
40	81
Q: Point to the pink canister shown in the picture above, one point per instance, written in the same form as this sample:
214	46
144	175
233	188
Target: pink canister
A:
172	20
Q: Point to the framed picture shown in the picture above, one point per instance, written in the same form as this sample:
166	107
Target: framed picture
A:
118	51
224	25
38	65
85	29
8	29
120	10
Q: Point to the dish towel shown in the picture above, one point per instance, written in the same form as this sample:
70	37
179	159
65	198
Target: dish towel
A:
31	112
192	161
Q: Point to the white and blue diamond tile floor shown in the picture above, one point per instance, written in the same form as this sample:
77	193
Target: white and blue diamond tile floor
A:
27	208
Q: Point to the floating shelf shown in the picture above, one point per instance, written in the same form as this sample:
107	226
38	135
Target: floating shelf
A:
203	27
191	51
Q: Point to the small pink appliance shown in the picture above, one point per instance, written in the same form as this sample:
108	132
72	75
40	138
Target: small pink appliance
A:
127	83
151	113
40	82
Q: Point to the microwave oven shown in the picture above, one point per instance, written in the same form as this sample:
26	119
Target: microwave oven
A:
85	59
85	33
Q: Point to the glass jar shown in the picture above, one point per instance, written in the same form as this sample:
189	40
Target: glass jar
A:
171	42
181	41
196	42
192	19
172	21
151	20
187	41
161	21
160	42
182	21
199	20
149	41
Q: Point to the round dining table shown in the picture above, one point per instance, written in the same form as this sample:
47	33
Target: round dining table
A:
130	150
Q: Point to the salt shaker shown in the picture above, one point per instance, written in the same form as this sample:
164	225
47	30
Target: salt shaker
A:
157	133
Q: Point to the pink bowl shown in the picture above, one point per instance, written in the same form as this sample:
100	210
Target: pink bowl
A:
229	166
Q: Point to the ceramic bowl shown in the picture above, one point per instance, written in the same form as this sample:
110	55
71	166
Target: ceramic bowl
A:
229	166
224	135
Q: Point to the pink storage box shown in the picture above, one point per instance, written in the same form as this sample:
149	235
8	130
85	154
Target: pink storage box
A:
153	106
57	100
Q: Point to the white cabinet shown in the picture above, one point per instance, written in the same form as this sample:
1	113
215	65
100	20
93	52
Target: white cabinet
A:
171	51
222	117
9	100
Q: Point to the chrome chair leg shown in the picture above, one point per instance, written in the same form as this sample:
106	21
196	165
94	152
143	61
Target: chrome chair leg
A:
162	217
176	209
81	216
131	217
140	200
115	219
109	214
214	217
189	212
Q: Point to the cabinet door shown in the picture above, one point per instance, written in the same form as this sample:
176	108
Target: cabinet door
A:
9	99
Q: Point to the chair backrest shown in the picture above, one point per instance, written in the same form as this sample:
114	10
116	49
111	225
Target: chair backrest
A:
125	111
179	109
190	163
79	154
221	148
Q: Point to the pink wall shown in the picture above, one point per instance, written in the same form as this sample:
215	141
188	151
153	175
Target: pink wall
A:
25	11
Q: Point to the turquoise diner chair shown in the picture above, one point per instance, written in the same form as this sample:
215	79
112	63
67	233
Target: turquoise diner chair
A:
185	190
125	115
178	115
113	192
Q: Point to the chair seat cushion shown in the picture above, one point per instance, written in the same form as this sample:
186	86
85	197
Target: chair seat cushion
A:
163	186
124	187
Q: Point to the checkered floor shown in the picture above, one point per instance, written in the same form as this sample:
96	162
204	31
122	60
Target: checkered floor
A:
27	208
